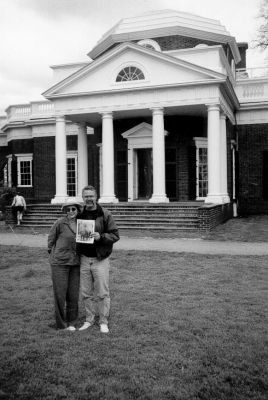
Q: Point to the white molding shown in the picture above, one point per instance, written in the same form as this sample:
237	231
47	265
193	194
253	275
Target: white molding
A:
143	99
252	116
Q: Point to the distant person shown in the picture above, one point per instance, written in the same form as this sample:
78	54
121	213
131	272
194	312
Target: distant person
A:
65	267
18	207
94	258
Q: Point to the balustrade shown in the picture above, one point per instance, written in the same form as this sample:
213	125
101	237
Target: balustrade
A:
25	111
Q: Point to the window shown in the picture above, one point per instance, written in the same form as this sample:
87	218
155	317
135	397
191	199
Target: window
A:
150	44
130	73
202	173
71	175
24	168
201	168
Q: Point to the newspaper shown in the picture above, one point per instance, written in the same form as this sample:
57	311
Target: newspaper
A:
84	229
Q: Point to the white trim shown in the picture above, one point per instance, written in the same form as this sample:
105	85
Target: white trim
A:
127	64
72	154
200	143
22	158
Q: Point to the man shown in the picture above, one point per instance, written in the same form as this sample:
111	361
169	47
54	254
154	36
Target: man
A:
95	266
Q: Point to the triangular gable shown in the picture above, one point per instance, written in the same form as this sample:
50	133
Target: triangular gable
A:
159	68
141	130
140	136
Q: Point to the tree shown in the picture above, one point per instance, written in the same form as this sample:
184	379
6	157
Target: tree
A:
262	37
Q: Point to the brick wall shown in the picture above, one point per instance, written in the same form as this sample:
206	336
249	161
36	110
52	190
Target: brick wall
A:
252	141
44	169
211	215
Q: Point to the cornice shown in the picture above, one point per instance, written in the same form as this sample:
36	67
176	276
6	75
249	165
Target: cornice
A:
132	89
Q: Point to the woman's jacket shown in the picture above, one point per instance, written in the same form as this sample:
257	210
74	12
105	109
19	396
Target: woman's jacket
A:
61	244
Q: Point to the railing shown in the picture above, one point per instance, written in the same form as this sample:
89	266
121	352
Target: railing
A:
251	73
25	111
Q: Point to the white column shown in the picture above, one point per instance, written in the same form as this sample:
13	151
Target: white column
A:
159	178
108	195
60	159
130	159
82	158
214	156
223	146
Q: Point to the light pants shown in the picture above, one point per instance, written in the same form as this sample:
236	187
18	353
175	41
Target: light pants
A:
94	286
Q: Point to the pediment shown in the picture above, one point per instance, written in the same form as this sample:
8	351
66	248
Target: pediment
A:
142	130
159	70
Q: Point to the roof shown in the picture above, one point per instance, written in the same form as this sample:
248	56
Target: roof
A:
164	23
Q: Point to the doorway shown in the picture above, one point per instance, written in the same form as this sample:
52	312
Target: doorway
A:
145	173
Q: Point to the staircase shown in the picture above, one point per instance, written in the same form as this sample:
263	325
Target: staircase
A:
182	216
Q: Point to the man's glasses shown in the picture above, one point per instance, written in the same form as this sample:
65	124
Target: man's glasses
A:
68	209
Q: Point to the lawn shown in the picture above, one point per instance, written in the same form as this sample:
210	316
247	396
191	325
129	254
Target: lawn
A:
183	326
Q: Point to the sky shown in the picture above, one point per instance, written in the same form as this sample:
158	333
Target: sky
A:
35	34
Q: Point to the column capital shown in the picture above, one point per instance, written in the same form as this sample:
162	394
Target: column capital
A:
60	118
107	114
157	110
81	124
223	116
213	107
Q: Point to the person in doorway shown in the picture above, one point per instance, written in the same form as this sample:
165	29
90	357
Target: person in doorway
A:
94	258
18	207
65	266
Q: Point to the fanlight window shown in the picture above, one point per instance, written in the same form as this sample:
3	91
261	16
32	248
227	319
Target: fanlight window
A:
130	74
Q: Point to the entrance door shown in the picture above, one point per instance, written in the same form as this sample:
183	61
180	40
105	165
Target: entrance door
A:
145	173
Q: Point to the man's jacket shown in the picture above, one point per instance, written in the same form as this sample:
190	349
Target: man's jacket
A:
106	226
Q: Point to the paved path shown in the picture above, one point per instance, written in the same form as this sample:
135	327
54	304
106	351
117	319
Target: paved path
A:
172	245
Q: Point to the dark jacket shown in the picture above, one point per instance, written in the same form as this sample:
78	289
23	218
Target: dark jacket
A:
105	225
61	244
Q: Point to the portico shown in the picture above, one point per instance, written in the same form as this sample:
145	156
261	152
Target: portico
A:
142	136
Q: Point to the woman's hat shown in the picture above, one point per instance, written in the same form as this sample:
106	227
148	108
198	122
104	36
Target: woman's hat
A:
69	203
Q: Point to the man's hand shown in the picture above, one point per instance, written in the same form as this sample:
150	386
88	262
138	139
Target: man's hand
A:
96	236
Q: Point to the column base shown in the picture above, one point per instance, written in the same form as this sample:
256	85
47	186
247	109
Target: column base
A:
217	199
156	198
59	199
108	199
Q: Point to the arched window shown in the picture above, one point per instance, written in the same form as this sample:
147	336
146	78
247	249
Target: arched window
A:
150	44
130	74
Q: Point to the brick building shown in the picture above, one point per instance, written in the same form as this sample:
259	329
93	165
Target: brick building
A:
165	110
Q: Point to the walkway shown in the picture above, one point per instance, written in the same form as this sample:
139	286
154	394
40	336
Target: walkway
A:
171	245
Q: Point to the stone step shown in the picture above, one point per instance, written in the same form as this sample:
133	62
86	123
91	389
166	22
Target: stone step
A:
122	214
144	216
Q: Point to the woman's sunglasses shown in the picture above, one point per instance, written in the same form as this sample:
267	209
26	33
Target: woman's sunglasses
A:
68	209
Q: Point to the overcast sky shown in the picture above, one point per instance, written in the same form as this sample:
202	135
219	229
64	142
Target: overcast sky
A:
35	34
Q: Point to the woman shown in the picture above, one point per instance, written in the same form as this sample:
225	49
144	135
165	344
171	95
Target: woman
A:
18	207
65	267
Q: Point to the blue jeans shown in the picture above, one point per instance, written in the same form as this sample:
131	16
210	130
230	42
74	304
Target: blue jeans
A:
65	280
94	286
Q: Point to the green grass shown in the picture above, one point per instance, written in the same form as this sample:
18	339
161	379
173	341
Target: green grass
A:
182	326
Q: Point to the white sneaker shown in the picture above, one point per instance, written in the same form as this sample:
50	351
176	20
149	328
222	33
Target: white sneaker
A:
86	325
104	328
70	328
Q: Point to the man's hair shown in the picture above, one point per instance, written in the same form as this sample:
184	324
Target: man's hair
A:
89	187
